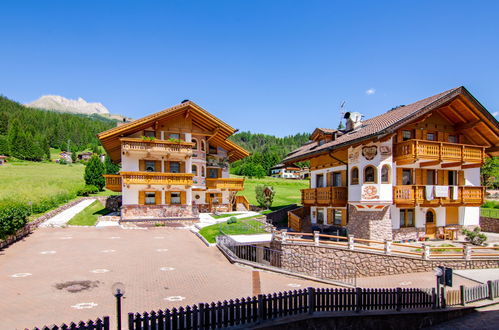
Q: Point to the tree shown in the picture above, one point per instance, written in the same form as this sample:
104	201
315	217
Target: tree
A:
95	149
264	195
4	145
94	173
490	172
110	167
340	125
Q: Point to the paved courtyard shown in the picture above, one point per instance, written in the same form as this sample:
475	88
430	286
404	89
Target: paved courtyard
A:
65	274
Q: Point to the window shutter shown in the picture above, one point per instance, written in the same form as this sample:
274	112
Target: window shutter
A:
142	197
399	176
441	136
424	133
329	179
182	167
343	217
182	197
343	178
440	176
157	165
399	136
461	181
446	178
157	134
330	216
167	198
142	165
418	134
158	197
419	178
424	177
167	166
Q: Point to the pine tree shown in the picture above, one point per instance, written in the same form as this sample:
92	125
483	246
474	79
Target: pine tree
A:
340	125
93	173
110	167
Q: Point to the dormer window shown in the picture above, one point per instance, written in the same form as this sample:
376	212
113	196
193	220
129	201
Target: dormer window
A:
406	135
149	134
321	142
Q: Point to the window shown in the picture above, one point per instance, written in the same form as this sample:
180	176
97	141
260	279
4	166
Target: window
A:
195	146
320	216
385	174
430	136
212	150
195	170
337	214
149	133
406	177
452	139
370	174
150	166
336	179
174	198
406	218
319	180
212	173
175	136
430	217
150	198
202	171
430	177
452	178
203	148
355	176
406	135
174	167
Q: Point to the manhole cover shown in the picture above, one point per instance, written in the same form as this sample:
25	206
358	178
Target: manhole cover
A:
77	286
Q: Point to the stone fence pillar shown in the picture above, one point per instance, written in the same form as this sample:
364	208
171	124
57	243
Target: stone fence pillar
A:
388	246
426	252
284	235
350	242
316	237
467	252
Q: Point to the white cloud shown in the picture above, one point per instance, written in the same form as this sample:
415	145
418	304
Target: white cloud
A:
495	113
370	91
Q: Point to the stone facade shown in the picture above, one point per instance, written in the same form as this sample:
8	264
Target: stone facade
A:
363	263
375	225
411	233
490	225
157	212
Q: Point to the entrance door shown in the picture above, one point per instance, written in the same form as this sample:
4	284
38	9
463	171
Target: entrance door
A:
431	226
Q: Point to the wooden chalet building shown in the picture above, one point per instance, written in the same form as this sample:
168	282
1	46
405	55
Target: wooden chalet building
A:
409	173
174	164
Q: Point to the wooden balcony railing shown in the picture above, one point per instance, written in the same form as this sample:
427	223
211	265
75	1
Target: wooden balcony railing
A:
413	150
330	196
156	146
416	196
225	183
113	182
182	179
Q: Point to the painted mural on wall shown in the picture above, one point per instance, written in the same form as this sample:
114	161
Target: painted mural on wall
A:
370	192
369	152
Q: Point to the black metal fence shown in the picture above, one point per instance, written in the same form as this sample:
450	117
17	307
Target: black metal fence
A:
99	324
244	311
292	262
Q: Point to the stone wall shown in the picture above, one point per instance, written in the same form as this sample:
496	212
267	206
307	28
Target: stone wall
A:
410	233
157	212
490	225
375	225
363	263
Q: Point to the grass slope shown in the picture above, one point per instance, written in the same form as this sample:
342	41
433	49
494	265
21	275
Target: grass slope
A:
210	232
89	215
287	191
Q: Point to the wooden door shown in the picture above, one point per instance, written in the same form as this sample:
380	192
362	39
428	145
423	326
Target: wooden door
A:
431	223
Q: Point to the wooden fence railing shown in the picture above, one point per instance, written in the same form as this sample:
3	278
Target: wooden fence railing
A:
240	199
387	247
245	311
465	295
98	324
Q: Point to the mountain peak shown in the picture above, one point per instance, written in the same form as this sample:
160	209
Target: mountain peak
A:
60	103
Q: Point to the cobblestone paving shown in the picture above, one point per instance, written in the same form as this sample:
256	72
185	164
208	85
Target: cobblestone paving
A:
486	318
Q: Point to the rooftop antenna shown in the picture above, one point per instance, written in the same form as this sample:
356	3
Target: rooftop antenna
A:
342	114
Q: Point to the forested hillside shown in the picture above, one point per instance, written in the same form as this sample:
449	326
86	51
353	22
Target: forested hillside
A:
266	151
27	133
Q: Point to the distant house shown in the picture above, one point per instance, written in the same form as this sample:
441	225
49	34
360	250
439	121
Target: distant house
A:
285	172
66	155
85	156
3	159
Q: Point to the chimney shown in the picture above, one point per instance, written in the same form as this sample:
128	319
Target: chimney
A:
354	120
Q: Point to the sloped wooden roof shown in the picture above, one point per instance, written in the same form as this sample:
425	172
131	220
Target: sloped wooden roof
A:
200	117
484	126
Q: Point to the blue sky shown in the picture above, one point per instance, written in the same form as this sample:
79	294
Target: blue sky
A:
276	67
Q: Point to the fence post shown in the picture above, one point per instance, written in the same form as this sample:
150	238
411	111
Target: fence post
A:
316	237
444	298
201	315
426	252
130	321
106	322
260	307
399	299
467	252
350	242
284	234
463	300
311	300
358	295
491	291
434	298
388	246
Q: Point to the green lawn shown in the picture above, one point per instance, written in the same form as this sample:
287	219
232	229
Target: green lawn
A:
220	216
89	215
287	191
210	232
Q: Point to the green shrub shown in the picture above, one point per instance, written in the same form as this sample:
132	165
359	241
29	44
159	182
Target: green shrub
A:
232	220
52	202
13	216
475	236
87	190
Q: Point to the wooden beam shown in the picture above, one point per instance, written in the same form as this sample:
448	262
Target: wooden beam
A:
458	115
432	163
215	133
187	114
483	137
471	166
440	111
405	162
458	100
455	164
492	149
467	125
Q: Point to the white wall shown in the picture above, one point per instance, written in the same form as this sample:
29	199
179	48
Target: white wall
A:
324	171
472	176
469	215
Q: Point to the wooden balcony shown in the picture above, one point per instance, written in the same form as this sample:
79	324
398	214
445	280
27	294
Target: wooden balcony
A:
159	178
416	196
326	196
225	183
179	150
434	152
113	182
